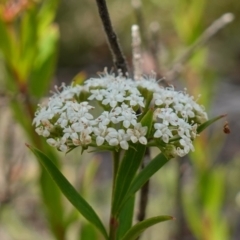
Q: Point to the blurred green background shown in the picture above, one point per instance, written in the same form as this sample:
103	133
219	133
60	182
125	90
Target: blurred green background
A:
43	43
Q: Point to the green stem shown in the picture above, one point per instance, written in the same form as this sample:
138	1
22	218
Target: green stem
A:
113	223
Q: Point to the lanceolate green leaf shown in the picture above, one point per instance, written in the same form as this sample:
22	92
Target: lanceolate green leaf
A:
129	166
146	174
126	217
138	228
69	191
208	123
51	195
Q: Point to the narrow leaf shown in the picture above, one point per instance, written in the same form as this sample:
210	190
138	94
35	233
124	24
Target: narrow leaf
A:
146	174
129	166
126	217
208	123
69	191
138	228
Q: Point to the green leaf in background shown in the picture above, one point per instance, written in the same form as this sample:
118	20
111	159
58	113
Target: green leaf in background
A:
45	61
88	232
69	191
5	41
208	123
214	191
47	14
129	166
28	42
187	19
138	228
193	214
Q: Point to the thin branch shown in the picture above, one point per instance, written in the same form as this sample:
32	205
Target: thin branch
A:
182	230
136	53
155	45
118	57
137	5
203	39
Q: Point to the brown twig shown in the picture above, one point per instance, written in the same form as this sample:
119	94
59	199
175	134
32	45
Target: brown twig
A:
118	57
182	231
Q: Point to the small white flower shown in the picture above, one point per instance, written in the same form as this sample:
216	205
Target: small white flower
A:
178	107
113	98
163	132
181	152
150	84
112	137
101	132
63	120
119	137
123	139
58	143
68	132
135	100
184	128
45	133
138	134
187	144
168	116
187	111
81	139
68	92
97	94
128	116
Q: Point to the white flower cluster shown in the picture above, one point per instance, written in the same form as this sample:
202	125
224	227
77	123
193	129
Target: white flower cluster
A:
71	117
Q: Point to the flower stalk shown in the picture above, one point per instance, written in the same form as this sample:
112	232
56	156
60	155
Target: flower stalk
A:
113	222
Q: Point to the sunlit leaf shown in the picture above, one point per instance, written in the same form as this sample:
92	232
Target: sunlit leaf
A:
47	14
5	42
27	42
44	64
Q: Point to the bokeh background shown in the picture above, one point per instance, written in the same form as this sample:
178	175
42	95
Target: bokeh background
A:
47	42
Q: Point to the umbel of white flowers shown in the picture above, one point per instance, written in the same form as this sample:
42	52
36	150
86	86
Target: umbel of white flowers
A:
73	117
